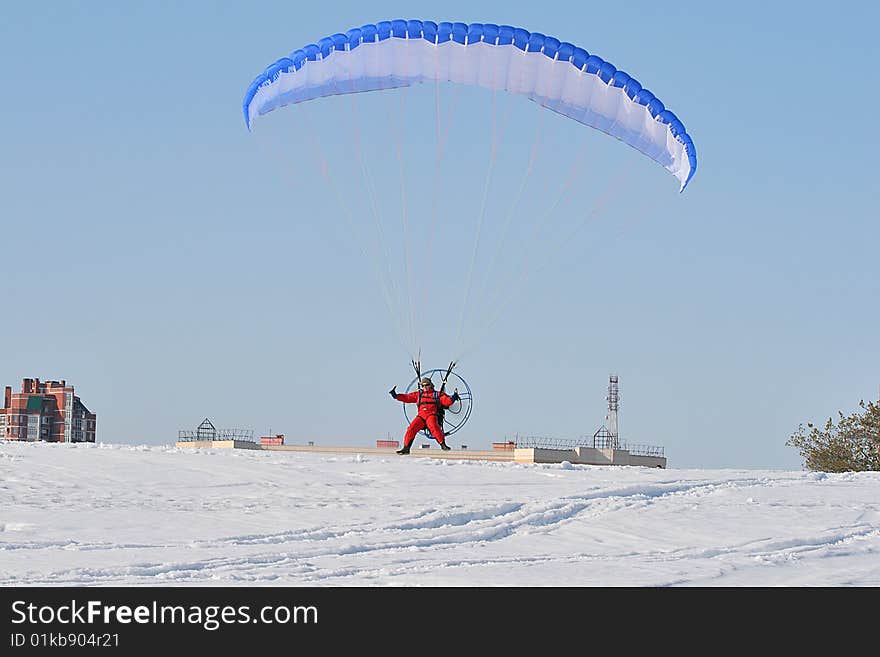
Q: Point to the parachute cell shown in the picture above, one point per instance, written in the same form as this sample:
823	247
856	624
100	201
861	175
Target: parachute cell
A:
554	74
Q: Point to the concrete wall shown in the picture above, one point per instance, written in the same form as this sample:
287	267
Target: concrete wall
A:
587	456
647	461
598	456
539	455
618	457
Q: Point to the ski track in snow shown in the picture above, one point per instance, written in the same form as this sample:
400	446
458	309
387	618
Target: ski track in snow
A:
454	543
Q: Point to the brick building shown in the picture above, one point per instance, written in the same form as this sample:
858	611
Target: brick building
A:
48	411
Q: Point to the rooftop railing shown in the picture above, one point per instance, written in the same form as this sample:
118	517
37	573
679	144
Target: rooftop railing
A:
545	442
217	434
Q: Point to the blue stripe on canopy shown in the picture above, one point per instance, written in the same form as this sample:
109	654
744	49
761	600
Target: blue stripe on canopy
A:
466	34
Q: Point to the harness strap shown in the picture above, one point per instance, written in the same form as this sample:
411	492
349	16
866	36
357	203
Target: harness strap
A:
435	401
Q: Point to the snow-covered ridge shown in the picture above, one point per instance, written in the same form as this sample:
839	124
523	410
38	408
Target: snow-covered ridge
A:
115	514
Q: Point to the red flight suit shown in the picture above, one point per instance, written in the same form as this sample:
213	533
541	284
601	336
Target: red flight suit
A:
429	402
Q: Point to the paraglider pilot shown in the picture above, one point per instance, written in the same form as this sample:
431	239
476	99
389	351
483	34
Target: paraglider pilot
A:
430	403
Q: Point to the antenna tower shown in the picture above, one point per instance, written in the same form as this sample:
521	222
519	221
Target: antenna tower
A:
613	405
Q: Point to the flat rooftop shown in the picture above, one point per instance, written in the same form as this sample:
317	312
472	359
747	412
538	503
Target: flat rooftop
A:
579	455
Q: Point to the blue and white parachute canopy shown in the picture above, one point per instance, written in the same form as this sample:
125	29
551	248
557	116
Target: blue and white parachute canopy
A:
557	75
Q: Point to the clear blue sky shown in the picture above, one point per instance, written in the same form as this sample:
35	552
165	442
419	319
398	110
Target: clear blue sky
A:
172	265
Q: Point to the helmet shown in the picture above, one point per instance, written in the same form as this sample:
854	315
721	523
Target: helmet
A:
426	382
